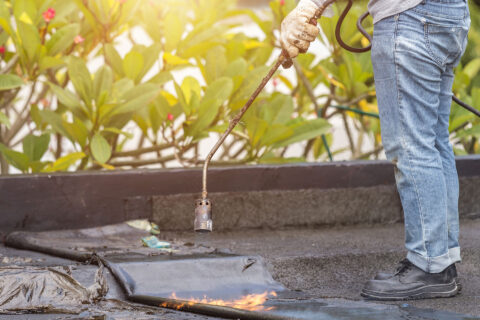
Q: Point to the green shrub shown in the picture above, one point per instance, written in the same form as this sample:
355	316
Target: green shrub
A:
58	112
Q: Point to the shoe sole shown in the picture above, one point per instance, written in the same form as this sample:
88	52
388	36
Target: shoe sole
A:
427	292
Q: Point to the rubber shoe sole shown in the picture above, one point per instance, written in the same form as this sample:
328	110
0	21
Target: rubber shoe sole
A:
427	292
459	285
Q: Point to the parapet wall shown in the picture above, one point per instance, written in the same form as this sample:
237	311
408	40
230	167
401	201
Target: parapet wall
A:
262	196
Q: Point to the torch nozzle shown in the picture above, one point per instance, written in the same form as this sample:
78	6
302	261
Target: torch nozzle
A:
203	216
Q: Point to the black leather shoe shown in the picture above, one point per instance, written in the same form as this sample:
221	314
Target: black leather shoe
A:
411	282
383	275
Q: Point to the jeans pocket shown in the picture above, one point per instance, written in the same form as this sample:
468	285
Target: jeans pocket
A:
445	43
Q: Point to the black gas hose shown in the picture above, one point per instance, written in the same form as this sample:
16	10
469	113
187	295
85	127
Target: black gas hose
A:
360	28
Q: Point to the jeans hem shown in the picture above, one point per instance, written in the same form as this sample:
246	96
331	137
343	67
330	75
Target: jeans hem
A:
435	264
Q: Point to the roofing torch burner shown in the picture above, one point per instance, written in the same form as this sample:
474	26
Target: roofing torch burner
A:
203	207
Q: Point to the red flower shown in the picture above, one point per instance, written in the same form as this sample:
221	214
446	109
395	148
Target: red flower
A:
78	39
2	50
48	15
170	117
282	2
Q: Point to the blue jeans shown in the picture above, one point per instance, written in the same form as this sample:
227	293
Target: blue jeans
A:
413	56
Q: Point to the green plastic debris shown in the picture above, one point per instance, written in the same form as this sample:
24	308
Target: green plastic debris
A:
153	242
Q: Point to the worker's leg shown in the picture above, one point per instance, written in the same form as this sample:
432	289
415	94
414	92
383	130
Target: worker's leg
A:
409	55
442	144
446	152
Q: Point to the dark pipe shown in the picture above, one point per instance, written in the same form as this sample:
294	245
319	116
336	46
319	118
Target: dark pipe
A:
338	30
362	30
466	106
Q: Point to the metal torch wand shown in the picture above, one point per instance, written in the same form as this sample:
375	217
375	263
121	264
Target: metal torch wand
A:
203	207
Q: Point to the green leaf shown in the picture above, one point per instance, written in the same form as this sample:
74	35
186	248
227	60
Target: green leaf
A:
114	59
77	130
181	99
118	131
34	147
474	131
30	39
47	62
35	115
237	68
217	93
154	117
100	148
133	65
62	39
56	121
24	7
136	98
279	110
472	68
161	77
175	23
216	63
190	86
305	130
5	18
15	158
4	119
102	82
248	86
63	163
66	97
150	56
81	79
256	128
121	86
10	81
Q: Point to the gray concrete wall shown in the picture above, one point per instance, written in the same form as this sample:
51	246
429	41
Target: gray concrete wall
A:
269	196
273	209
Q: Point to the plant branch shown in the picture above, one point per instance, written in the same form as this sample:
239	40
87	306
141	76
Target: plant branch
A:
138	152
306	84
21	120
349	133
10	64
139	163
368	154
9	99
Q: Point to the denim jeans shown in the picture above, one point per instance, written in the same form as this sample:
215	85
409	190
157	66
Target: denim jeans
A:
413	56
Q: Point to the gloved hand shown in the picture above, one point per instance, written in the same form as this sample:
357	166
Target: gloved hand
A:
296	30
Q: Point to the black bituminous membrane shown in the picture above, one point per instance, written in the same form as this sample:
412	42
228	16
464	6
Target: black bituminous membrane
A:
196	271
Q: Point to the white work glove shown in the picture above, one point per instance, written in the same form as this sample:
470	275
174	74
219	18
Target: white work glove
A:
296	31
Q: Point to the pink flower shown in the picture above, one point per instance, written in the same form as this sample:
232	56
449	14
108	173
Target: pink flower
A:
282	2
78	39
122	1
45	102
170	117
2	50
275	82
48	15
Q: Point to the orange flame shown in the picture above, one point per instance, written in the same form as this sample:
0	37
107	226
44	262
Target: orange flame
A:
251	302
